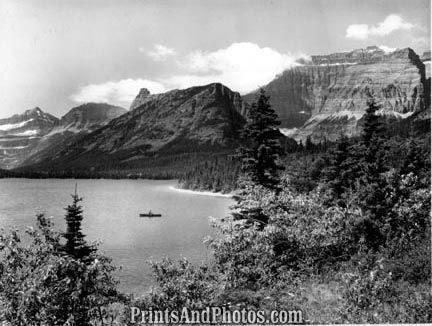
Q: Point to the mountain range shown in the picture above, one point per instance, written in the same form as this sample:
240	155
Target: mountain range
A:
327	96
323	97
34	135
180	121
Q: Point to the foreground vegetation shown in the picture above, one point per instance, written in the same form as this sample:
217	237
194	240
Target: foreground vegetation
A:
341	231
342	234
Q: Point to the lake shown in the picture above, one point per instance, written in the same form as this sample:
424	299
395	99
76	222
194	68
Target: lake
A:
111	215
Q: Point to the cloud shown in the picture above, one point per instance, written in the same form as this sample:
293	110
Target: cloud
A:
358	31
120	92
390	24
159	52
241	66
387	49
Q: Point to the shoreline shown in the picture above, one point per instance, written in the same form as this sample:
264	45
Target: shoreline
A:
203	193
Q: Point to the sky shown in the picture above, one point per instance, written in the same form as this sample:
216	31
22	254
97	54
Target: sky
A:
58	54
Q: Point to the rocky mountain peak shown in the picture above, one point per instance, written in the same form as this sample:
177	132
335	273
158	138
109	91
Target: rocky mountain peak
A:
21	132
92	113
142	97
35	115
144	92
35	133
37	110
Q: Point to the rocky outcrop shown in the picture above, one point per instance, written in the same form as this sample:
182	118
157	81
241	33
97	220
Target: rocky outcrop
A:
328	95
143	96
189	120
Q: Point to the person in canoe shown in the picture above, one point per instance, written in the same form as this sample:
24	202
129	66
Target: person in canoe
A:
150	214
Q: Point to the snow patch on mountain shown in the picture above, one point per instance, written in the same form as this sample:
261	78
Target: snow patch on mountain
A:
338	64
288	131
11	126
27	133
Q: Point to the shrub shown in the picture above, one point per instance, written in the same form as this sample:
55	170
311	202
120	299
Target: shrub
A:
38	285
372	296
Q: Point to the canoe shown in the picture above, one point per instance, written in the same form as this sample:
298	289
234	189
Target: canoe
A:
150	215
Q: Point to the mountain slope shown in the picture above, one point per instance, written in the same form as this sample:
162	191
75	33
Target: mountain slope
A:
78	122
20	134
36	135
327	96
179	121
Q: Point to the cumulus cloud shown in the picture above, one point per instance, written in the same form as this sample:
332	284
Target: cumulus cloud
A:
159	52
120	92
241	66
390	24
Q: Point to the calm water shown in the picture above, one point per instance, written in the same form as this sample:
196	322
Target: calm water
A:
111	210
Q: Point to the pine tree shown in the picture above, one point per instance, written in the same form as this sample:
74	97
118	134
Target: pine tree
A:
260	159
336	174
414	159
300	146
75	246
309	146
373	140
373	123
371	184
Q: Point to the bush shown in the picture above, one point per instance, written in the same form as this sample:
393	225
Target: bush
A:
39	285
372	296
180	285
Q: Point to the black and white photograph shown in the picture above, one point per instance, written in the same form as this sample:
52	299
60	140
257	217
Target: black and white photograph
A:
215	162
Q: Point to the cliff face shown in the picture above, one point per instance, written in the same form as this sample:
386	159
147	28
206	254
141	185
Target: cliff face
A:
426	59
327	96
179	120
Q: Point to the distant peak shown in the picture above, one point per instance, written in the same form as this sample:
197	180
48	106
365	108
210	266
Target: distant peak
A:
144	92
142	97
35	111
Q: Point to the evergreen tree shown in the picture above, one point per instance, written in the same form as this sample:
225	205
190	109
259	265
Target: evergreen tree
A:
371	185
300	146
336	173
373	141
414	159
260	159
75	246
373	123
309	146
366	160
